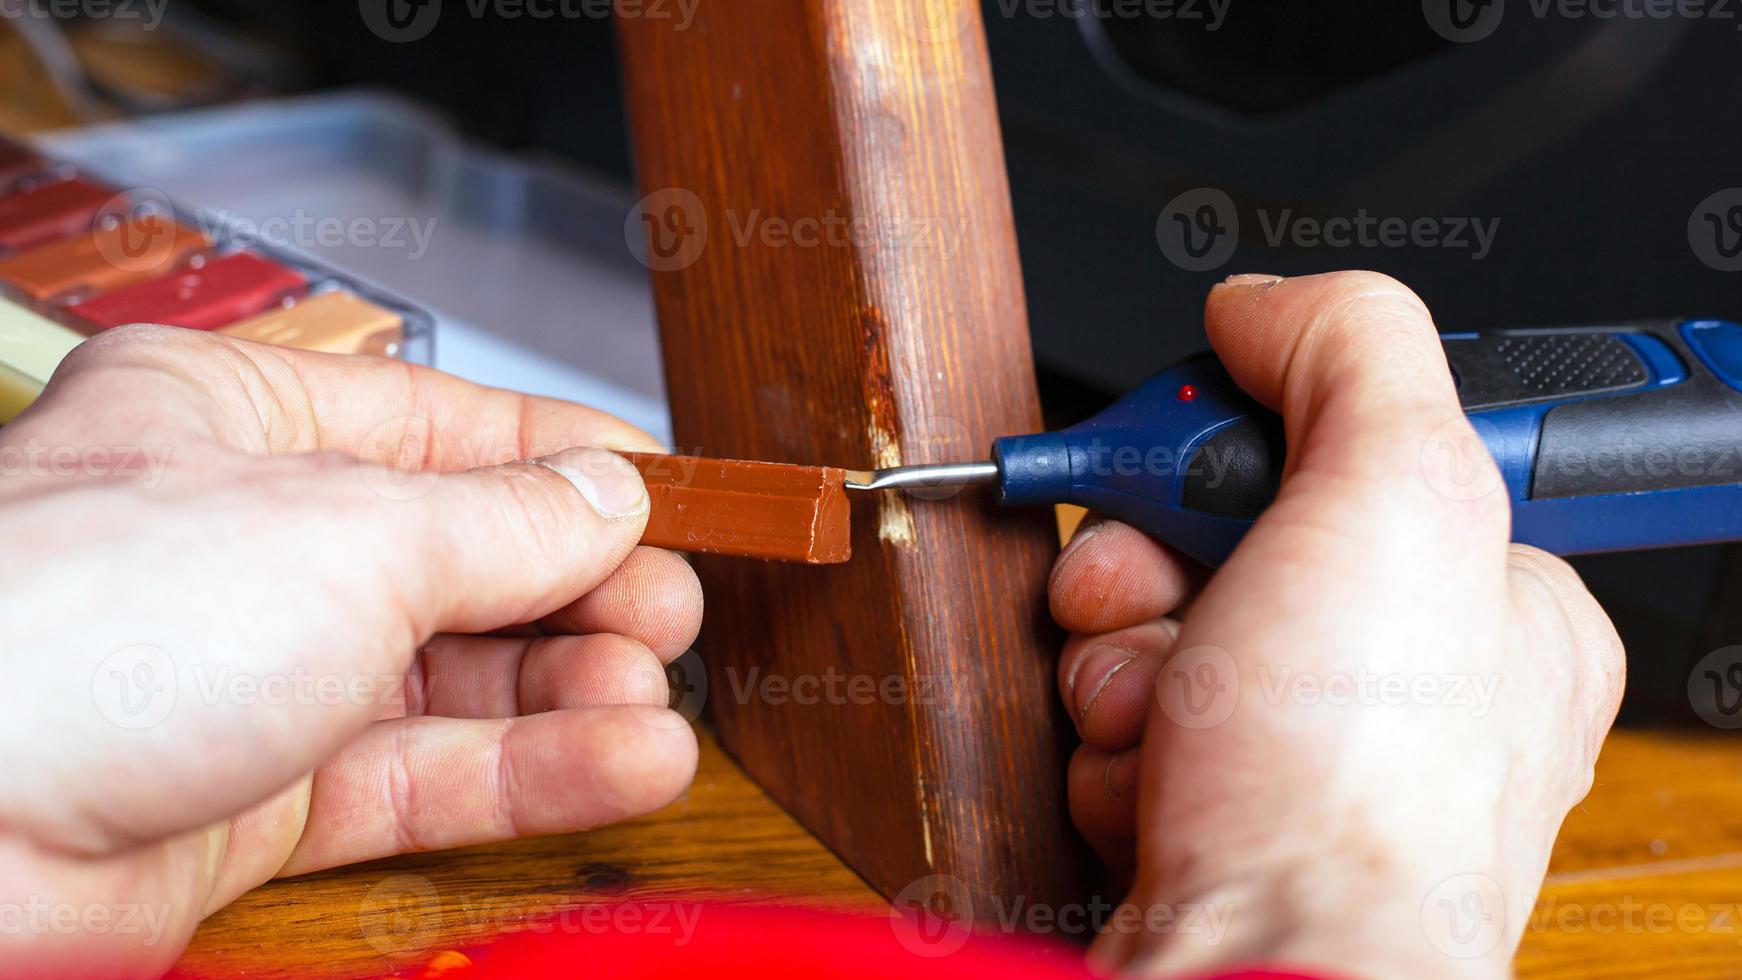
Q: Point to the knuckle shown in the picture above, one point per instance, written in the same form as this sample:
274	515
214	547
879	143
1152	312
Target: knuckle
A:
147	344
1375	289
1372	308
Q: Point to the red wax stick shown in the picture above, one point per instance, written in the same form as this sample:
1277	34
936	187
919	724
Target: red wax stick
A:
217	294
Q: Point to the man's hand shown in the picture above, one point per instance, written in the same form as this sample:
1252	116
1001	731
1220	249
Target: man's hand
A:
240	630
1353	746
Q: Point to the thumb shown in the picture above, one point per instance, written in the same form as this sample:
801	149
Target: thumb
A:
1380	453
490	547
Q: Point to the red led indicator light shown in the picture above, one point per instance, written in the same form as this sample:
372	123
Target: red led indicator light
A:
1187	393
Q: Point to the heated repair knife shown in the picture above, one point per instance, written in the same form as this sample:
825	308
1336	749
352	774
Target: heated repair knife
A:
1608	438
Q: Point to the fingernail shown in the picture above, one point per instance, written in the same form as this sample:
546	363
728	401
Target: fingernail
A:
610	485
1120	776
1085	531
1252	279
1099	668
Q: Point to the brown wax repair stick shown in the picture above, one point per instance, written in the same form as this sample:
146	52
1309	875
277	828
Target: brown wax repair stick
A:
752	510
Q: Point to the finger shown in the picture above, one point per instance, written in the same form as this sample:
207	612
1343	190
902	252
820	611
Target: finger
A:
1112	576
653	596
466	553
1103	800
385	411
406	415
481	677
474	551
1353	362
1108	681
421	784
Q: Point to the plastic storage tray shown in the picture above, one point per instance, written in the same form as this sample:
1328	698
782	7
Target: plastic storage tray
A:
524	264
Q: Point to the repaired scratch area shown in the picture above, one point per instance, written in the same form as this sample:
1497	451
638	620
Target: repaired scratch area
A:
894	521
925	822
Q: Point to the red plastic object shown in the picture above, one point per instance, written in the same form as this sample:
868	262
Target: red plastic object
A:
52	211
214	295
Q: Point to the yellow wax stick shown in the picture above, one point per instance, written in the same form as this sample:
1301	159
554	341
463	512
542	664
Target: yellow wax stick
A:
31	347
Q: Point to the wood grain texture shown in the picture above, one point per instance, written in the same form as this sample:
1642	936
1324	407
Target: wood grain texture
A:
724	841
1646	877
855	300
1642	877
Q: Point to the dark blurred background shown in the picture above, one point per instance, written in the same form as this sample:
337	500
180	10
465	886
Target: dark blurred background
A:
1584	144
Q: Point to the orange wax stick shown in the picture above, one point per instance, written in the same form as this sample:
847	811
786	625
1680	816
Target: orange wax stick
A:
753	510
111	256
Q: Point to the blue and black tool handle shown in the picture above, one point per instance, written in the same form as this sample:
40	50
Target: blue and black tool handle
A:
1609	438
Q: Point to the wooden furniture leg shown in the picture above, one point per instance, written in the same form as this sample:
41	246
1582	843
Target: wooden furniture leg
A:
829	222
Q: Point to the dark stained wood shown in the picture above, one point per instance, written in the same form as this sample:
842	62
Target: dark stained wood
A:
838	284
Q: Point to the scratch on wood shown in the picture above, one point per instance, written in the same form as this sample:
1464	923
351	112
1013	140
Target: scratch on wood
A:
925	821
894	521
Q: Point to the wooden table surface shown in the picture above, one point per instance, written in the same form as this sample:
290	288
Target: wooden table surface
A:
1646	880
